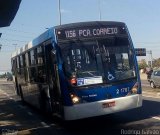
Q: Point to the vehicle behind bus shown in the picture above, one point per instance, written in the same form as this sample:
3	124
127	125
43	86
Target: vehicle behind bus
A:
79	70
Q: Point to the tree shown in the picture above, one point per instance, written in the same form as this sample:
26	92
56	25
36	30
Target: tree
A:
156	63
142	64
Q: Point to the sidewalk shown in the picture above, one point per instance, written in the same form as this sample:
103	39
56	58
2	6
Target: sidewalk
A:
151	94
143	76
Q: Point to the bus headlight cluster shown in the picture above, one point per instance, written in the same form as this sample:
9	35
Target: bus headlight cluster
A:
135	88
75	99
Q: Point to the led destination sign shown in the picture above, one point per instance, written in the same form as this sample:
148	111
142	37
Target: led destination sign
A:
89	32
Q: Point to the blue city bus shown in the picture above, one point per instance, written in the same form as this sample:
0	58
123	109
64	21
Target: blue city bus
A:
79	70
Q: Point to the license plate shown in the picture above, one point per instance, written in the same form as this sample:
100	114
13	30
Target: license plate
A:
108	104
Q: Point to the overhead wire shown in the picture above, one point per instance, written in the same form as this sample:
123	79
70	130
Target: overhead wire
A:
16	35
9	29
13	40
147	42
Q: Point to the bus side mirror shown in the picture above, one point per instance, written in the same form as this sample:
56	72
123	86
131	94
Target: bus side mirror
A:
54	57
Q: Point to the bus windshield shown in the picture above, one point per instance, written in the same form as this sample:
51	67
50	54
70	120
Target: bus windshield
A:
95	61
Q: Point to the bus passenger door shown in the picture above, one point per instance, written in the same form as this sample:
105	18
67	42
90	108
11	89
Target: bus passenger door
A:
53	79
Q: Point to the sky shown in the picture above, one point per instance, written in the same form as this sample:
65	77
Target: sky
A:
142	18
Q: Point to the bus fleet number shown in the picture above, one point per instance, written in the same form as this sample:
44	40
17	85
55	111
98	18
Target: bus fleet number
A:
70	33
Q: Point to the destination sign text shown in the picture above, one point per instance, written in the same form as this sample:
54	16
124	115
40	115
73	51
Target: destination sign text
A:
89	32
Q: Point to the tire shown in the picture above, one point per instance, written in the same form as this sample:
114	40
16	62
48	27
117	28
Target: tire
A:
21	94
17	87
152	85
45	105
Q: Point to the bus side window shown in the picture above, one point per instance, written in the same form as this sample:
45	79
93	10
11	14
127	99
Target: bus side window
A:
41	72
32	57
32	74
26	61
40	55
32	66
18	65
20	61
14	66
21	64
41	77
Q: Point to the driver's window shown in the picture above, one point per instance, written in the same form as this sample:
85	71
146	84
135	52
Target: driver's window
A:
122	61
125	60
119	61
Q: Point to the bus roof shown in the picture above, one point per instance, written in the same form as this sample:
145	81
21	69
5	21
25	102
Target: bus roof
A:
86	30
85	24
50	32
40	39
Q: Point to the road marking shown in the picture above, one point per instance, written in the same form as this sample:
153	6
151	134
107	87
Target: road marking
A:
53	124
7	95
157	118
28	131
147	85
151	96
151	92
22	107
44	125
18	125
4	93
30	113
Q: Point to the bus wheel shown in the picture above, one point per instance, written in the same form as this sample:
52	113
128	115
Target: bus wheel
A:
21	93
45	104
17	91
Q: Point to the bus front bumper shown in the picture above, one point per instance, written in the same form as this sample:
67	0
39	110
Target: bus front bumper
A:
85	110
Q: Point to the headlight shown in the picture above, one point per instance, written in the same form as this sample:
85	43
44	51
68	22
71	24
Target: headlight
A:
75	99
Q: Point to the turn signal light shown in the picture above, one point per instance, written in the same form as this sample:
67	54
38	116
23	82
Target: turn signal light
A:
135	88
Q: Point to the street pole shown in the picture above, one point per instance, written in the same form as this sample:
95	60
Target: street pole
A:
151	59
59	11
0	44
150	52
0	47
99	3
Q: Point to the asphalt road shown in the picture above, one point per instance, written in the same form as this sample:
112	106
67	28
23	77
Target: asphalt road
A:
17	118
